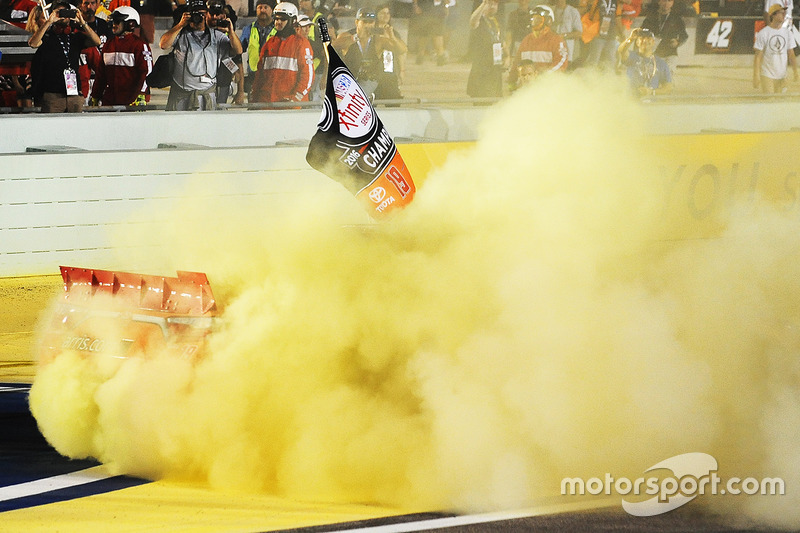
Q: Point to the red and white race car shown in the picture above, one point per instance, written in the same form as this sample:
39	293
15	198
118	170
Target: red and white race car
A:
121	314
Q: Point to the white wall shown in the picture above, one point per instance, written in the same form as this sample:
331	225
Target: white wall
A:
62	207
146	130
70	208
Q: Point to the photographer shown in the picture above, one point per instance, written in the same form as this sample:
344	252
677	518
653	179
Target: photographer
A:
222	18
372	53
55	73
198	52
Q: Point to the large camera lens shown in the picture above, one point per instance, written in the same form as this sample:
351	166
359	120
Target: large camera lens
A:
196	17
66	13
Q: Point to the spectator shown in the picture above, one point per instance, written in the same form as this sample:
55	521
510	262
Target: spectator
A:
647	73
525	72
427	26
286	66
91	61
253	38
17	12
311	32
629	10
222	17
16	88
774	47
518	26
384	24
36	19
545	48
787	21
127	60
602	26
59	41
306	8
567	23
101	27
486	75
198	51
667	24
371	53
304	27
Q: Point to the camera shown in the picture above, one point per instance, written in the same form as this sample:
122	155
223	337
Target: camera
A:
197	9
67	13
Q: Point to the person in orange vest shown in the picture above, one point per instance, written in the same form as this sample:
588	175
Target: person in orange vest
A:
286	66
602	27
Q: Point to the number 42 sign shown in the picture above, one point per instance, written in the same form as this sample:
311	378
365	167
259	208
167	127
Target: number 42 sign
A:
719	36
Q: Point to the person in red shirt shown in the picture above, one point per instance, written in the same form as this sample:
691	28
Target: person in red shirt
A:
543	47
286	65
18	12
127	60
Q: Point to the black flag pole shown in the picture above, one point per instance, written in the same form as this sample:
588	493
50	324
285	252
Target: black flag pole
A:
325	36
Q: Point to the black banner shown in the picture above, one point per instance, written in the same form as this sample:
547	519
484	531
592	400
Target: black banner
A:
727	35
352	146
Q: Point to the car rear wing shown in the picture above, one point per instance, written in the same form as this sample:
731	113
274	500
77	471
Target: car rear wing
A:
187	294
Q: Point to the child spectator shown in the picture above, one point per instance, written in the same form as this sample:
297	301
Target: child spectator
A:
647	73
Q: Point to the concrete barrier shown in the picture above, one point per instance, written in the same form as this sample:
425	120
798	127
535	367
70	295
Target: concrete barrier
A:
75	206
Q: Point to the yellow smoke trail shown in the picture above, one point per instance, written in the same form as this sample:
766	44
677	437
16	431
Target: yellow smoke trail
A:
521	322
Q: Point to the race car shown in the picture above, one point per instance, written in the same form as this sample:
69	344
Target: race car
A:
121	314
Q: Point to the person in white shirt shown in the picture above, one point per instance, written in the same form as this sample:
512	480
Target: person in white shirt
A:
774	50
568	25
787	22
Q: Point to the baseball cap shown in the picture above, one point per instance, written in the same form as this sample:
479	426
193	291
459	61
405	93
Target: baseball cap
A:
365	14
216	6
303	20
774	8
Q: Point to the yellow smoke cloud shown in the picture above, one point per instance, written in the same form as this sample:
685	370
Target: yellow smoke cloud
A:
521	322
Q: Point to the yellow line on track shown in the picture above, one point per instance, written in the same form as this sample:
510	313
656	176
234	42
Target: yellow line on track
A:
176	507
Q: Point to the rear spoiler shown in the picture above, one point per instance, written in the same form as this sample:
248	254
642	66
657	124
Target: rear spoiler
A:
187	294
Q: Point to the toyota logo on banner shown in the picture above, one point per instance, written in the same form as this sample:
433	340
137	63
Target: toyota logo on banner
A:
377	194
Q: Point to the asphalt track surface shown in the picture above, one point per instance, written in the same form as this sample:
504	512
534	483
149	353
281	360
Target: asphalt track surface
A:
43	491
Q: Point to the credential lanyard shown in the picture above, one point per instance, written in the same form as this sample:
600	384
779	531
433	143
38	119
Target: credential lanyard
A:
70	76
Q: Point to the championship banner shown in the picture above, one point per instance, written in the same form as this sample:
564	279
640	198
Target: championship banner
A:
352	147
